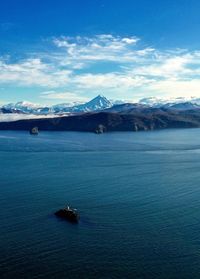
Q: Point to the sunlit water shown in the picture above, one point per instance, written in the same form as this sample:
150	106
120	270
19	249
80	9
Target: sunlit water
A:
138	195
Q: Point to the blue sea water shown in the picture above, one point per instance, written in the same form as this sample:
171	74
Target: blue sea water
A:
138	195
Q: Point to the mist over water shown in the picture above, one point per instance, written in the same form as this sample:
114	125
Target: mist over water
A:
138	195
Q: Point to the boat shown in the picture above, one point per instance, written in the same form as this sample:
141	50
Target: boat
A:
34	131
68	213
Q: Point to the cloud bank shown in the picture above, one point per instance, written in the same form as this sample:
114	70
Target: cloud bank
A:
119	67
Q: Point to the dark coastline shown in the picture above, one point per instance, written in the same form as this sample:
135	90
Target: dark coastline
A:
111	121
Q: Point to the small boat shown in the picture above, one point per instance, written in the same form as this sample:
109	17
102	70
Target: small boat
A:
69	214
34	131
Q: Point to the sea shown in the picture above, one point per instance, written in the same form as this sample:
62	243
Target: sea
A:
138	195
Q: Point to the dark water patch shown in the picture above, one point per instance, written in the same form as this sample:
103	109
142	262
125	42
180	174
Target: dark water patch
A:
138	197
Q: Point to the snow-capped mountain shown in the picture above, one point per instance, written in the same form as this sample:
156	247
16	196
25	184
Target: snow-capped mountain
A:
98	103
24	106
181	106
64	107
151	101
101	103
159	102
175	103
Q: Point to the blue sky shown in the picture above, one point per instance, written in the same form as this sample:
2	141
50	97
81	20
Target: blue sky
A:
59	51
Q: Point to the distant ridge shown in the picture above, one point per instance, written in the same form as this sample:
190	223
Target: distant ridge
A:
98	103
101	103
127	117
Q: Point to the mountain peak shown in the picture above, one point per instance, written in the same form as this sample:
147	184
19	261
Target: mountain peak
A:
100	97
98	103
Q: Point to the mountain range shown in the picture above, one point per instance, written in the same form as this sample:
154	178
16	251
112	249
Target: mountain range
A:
100	115
132	120
100	103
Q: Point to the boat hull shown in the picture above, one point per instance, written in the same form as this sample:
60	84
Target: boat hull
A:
69	215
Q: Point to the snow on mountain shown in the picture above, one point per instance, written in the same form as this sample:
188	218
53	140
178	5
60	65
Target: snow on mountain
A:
23	106
151	101
182	106
64	107
158	102
176	103
98	103
195	101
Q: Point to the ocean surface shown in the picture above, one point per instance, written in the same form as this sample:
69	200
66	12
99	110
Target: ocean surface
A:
138	195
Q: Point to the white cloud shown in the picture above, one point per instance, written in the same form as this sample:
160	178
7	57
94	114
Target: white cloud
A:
7	117
109	80
64	96
165	67
97	48
176	88
33	72
108	63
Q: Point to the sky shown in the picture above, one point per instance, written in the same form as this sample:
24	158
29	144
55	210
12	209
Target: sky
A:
63	51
